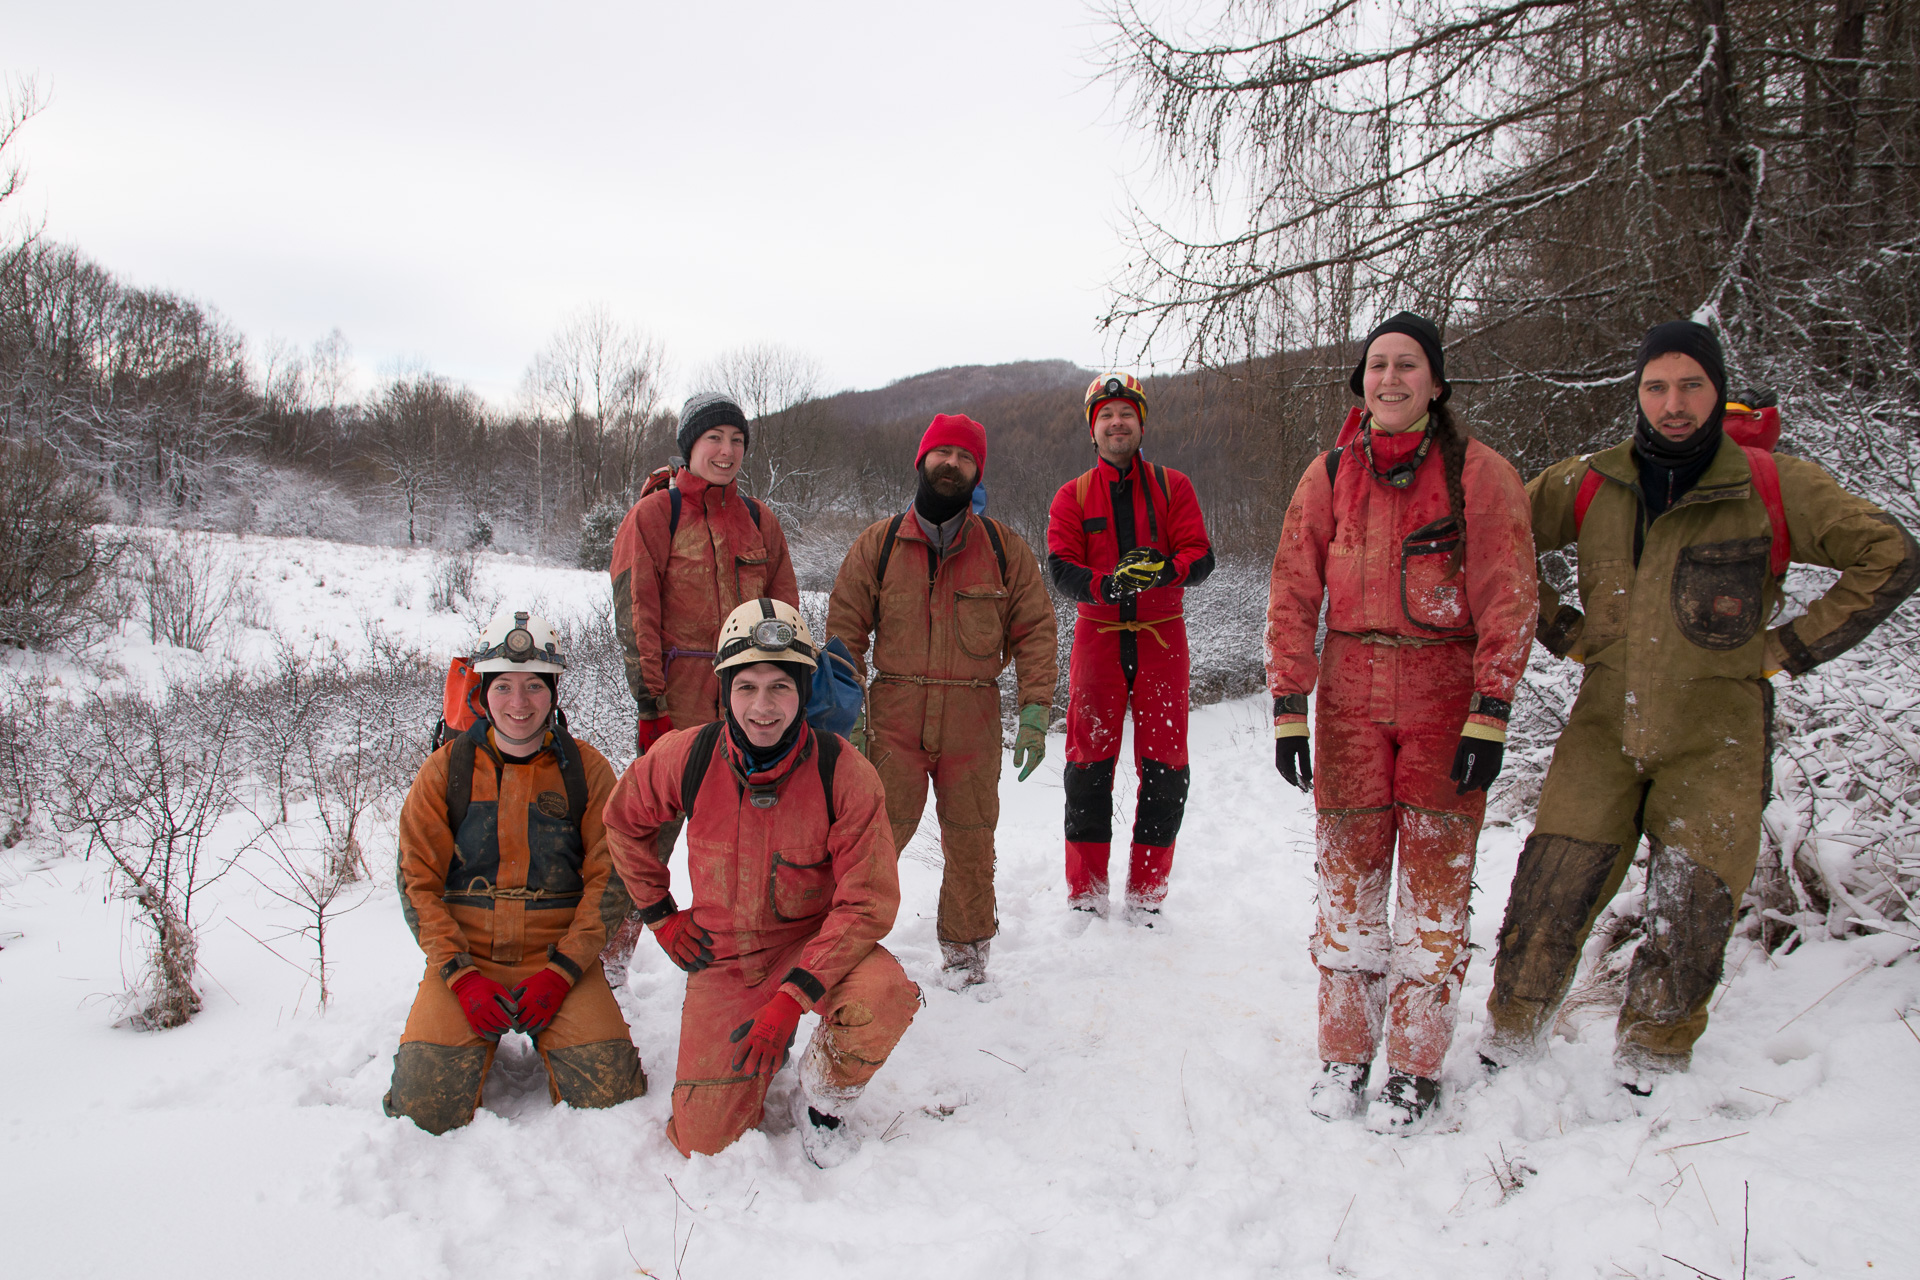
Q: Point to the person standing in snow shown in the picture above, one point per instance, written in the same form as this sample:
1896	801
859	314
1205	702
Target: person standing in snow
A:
1680	564
506	883
940	640
1125	540
795	881
1415	538
684	558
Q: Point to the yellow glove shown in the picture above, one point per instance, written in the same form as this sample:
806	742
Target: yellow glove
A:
1140	569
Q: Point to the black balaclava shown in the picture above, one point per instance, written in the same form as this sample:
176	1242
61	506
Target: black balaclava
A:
936	506
760	759
1669	469
1422	331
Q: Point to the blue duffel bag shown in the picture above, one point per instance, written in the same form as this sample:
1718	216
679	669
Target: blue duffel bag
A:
837	695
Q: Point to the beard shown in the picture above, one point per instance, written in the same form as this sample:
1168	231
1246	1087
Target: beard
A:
949	481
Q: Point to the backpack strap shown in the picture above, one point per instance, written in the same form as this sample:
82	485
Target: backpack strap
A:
1081	483
673	520
826	755
1333	465
753	509
1766	482
696	771
1149	475
573	770
886	549
1589	485
460	774
999	547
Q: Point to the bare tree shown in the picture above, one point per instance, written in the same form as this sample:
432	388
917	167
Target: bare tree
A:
777	387
601	380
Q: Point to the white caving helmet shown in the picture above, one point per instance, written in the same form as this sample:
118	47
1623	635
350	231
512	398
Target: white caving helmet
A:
518	641
765	631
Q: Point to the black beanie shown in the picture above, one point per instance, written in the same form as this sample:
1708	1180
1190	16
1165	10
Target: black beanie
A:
1422	331
1688	338
704	411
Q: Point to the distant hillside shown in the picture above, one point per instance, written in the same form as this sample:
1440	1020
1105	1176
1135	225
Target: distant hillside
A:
960	389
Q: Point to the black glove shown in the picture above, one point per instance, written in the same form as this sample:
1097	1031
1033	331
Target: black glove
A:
1476	763
1293	757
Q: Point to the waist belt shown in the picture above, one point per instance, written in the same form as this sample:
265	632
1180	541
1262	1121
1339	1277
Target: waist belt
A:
948	684
1147	625
481	889
1401	642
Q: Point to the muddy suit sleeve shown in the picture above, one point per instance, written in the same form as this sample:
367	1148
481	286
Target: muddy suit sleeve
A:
1550	499
1878	562
603	899
1032	632
866	884
1296	591
426	851
1192	554
1502	577
854	606
636	569
645	798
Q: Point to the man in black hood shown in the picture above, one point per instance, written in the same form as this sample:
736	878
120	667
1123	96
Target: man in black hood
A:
1681	558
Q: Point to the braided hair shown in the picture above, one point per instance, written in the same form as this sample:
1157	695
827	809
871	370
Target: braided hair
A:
1451	440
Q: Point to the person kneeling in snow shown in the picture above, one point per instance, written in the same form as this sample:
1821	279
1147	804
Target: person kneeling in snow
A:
505	881
795	881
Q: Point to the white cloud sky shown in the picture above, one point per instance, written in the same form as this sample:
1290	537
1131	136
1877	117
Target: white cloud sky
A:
889	187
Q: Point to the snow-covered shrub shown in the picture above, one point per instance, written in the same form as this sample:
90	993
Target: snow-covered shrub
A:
597	529
594	690
452	583
188	585
54	557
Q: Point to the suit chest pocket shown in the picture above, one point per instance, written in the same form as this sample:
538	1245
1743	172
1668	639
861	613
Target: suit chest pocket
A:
753	571
978	623
1432	591
1717	590
800	884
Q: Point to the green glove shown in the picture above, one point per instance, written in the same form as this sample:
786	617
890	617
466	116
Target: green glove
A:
1030	744
858	734
1140	569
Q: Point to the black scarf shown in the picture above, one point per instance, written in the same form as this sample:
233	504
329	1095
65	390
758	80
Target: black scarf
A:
935	506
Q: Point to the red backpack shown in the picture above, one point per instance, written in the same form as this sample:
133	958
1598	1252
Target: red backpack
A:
1756	430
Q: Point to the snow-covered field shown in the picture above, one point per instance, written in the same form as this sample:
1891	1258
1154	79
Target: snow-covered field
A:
1124	1101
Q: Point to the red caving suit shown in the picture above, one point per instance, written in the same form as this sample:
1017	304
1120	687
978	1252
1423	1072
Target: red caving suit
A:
1409	643
1126	649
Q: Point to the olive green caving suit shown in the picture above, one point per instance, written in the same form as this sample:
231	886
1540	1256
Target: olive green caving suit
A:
1672	731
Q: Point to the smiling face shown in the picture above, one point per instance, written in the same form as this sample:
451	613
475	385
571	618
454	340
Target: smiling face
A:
717	454
1676	395
1398	382
764	701
1117	431
951	470
518	703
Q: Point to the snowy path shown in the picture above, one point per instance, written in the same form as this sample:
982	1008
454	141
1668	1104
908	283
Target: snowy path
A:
1128	1104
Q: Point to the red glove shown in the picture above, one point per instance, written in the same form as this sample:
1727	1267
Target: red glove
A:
651	731
768	1036
488	1007
539	999
686	943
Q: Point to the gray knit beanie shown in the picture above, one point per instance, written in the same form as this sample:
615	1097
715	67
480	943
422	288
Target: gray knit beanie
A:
705	410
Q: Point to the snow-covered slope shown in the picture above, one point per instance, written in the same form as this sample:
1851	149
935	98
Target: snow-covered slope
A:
1126	1101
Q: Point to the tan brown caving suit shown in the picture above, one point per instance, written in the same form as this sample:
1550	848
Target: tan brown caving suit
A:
943	627
1672	731
520	888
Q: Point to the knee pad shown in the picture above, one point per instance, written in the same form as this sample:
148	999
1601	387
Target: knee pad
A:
1089	800
1689	918
1162	805
436	1086
1555	893
605	1073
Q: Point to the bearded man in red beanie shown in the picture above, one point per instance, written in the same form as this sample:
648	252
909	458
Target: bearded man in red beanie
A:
947	597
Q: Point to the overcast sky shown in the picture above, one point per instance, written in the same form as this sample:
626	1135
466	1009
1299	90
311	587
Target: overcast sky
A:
889	187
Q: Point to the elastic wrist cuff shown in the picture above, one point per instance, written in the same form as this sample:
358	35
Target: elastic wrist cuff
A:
1479	728
1491	709
558	960
1800	659
1291	729
808	985
653	915
1289	704
454	966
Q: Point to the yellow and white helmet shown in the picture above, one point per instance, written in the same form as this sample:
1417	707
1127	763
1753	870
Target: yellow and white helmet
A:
764	631
518	641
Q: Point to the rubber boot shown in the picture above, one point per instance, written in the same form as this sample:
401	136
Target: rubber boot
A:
1087	876
820	1109
1405	1105
1147	868
965	963
1339	1092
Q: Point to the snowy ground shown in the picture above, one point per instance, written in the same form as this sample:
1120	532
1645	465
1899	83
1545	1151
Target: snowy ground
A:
1127	1102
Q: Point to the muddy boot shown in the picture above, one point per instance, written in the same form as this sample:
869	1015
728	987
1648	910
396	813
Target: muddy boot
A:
1405	1105
965	964
1340	1092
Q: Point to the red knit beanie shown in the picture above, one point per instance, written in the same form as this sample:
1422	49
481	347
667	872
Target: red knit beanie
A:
955	429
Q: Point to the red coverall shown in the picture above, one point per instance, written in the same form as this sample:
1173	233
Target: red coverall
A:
1408	646
793	905
1126	649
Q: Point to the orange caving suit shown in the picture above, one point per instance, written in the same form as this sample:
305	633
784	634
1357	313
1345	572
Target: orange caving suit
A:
520	888
1409	644
943	627
795	903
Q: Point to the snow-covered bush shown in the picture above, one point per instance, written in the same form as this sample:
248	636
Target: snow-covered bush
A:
188	585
